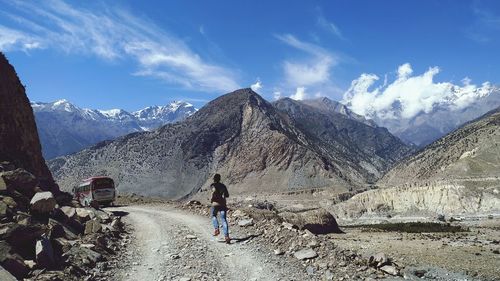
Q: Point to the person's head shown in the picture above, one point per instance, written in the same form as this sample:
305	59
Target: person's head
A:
216	178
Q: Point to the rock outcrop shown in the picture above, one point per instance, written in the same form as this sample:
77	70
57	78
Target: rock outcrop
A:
255	146
19	143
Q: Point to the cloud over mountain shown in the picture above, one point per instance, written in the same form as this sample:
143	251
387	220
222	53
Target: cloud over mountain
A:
409	95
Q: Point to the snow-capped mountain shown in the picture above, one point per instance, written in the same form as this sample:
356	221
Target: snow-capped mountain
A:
65	128
155	116
427	126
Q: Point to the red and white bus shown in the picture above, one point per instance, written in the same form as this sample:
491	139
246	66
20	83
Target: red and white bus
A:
96	190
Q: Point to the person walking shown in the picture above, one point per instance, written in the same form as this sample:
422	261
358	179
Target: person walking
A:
218	202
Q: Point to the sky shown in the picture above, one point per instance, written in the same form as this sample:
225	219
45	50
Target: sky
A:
133	54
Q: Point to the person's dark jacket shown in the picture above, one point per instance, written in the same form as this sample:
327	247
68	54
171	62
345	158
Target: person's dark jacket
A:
219	194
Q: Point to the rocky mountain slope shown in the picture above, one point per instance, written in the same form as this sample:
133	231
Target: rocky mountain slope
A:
345	136
470	152
458	173
19	143
256	147
65	128
330	106
41	231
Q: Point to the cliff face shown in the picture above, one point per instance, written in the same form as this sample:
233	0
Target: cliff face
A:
19	142
450	198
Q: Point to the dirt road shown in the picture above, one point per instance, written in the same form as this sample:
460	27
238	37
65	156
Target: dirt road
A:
170	244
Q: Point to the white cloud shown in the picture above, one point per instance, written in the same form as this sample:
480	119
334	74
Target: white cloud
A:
14	39
113	34
410	95
256	86
330	27
311	71
277	95
300	94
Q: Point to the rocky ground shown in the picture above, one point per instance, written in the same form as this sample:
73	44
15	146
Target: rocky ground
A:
474	253
173	241
44	235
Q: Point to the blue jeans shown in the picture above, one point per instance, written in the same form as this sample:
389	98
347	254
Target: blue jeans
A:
215	222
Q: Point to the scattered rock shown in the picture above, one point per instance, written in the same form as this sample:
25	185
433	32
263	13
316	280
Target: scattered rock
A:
83	214
239	214
310	270
278	252
44	253
83	256
20	180
68	211
5	275
43	202
389	269
328	275
245	222
189	236
92	226
420	273
378	260
304	254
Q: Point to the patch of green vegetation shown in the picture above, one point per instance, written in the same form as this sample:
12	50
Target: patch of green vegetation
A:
416	227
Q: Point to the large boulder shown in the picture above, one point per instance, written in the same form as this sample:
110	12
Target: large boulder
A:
305	254
20	180
15	265
58	229
83	214
3	186
82	256
44	253
43	203
5	275
5	250
69	212
4	208
92	226
318	221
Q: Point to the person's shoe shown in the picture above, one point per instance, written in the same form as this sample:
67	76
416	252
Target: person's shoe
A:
216	232
228	240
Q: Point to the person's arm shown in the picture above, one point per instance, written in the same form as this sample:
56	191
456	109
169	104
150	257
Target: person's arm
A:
226	193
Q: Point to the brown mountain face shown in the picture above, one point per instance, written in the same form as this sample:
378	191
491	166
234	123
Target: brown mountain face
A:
344	138
256	147
19	143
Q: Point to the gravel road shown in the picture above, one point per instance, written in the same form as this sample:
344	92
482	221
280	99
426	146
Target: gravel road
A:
169	244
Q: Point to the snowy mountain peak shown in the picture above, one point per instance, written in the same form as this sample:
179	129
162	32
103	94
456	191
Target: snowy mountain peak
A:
78	128
175	110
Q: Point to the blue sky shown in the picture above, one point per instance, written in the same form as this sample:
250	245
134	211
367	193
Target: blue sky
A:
132	54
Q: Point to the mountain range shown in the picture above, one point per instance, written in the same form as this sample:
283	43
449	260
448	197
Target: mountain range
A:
65	128
426	127
257	146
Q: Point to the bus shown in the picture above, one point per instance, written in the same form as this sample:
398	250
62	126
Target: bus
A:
96	190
